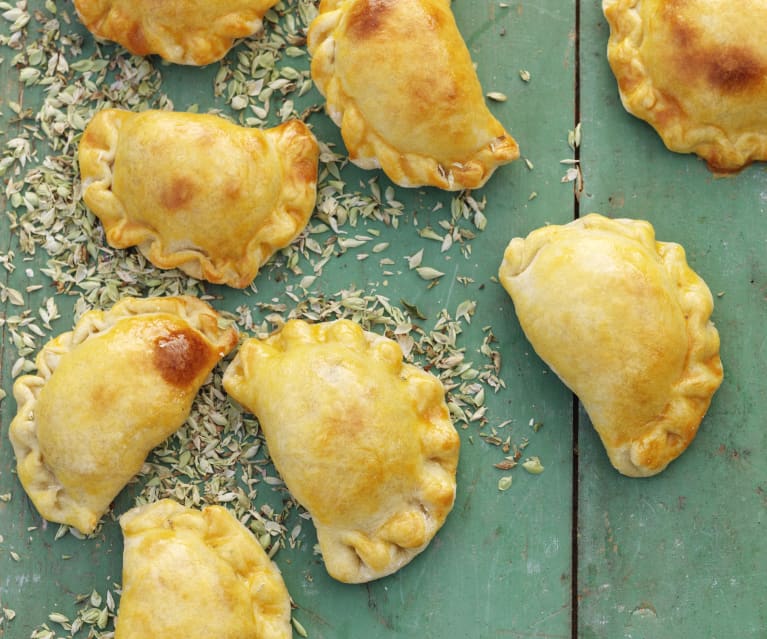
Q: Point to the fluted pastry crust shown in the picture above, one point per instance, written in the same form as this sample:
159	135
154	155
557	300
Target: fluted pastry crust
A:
193	32
196	192
363	441
197	574
399	81
696	70
104	395
624	322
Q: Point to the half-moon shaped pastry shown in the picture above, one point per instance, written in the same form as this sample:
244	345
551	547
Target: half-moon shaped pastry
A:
624	322
195	32
197	192
362	440
104	395
697	72
400	83
197	574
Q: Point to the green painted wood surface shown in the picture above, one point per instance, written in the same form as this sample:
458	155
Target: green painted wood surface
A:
501	566
679	555
683	554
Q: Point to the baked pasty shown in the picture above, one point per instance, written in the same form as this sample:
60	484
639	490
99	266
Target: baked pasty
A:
195	32
104	395
197	192
197	574
362	440
400	83
624	322
697	72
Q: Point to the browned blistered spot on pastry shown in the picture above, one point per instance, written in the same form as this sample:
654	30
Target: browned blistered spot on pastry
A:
366	17
233	190
135	41
102	394
732	69
178	193
435	20
306	170
735	69
347	425
180	355
90	137
684	35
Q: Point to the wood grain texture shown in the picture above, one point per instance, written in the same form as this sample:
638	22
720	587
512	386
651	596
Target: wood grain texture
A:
682	554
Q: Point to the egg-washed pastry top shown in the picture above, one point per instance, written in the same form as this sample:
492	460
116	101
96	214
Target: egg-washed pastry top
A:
104	395
400	82
197	192
362	440
696	70
197	574
625	323
193	32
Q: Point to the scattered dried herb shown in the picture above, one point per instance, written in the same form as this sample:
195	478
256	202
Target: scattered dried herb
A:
218	456
533	465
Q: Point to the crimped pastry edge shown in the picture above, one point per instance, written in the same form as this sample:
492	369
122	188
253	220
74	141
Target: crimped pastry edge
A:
297	145
679	420
348	565
369	149
723	153
27	388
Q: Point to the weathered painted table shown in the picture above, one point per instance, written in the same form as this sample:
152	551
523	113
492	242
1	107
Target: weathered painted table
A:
576	551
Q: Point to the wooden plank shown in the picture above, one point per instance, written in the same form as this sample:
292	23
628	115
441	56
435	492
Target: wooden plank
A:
682	554
501	565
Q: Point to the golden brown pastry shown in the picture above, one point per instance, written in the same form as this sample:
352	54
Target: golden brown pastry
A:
197	574
696	70
104	395
400	83
195	32
624	322
362	440
197	192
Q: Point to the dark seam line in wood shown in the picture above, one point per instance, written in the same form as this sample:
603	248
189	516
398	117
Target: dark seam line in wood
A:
575	515
576	471
577	108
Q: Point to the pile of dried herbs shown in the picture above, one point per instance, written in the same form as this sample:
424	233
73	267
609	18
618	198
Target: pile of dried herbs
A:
58	264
